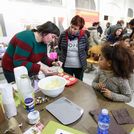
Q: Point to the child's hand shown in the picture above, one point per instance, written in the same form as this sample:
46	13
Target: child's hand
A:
107	93
101	86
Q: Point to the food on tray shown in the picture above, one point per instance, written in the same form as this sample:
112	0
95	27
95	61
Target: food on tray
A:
71	79
66	76
60	70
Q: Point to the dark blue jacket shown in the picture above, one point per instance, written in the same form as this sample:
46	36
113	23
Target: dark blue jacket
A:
111	38
83	46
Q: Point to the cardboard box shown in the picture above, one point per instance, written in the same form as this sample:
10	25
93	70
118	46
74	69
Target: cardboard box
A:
2	116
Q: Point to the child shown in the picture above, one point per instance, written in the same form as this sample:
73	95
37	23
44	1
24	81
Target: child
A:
116	64
126	40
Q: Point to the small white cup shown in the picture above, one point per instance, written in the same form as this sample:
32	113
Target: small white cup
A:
33	117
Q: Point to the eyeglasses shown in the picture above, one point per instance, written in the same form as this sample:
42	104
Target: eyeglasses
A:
54	36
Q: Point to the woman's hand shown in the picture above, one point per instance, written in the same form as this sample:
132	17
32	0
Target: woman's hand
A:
58	63
46	70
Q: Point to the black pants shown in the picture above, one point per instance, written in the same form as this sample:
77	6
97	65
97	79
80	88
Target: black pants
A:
9	75
77	72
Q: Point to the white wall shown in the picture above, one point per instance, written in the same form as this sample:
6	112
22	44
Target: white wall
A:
17	15
115	9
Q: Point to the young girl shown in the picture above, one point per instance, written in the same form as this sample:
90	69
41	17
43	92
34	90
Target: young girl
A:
126	40
116	64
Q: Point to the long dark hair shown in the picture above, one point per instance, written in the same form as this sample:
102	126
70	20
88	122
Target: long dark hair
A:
47	28
121	57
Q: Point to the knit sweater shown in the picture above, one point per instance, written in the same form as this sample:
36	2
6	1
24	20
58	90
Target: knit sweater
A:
83	47
24	50
119	87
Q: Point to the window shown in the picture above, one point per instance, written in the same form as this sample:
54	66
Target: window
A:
49	2
130	12
85	4
46	2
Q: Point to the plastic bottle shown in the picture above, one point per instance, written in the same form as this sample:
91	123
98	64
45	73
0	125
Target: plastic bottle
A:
103	122
8	100
25	88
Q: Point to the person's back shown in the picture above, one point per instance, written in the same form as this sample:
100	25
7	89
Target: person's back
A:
107	27
111	29
99	29
94	37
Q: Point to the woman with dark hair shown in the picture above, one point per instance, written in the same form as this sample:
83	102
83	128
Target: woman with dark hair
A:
116	65
73	45
29	47
116	35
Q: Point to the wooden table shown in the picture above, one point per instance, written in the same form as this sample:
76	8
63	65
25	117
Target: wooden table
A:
83	95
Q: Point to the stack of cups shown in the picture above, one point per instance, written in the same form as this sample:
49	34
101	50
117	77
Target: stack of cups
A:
29	103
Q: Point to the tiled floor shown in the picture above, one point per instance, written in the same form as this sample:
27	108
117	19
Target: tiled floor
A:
88	78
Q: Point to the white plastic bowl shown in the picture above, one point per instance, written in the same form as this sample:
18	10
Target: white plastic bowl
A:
52	86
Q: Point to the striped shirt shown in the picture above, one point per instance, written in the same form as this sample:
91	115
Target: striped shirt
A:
24	50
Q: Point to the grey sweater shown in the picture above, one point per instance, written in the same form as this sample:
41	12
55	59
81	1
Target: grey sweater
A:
118	86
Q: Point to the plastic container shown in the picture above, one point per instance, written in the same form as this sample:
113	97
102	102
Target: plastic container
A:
8	101
33	117
25	88
29	103
103	122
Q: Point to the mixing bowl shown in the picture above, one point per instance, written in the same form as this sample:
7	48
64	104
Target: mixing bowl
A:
52	85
